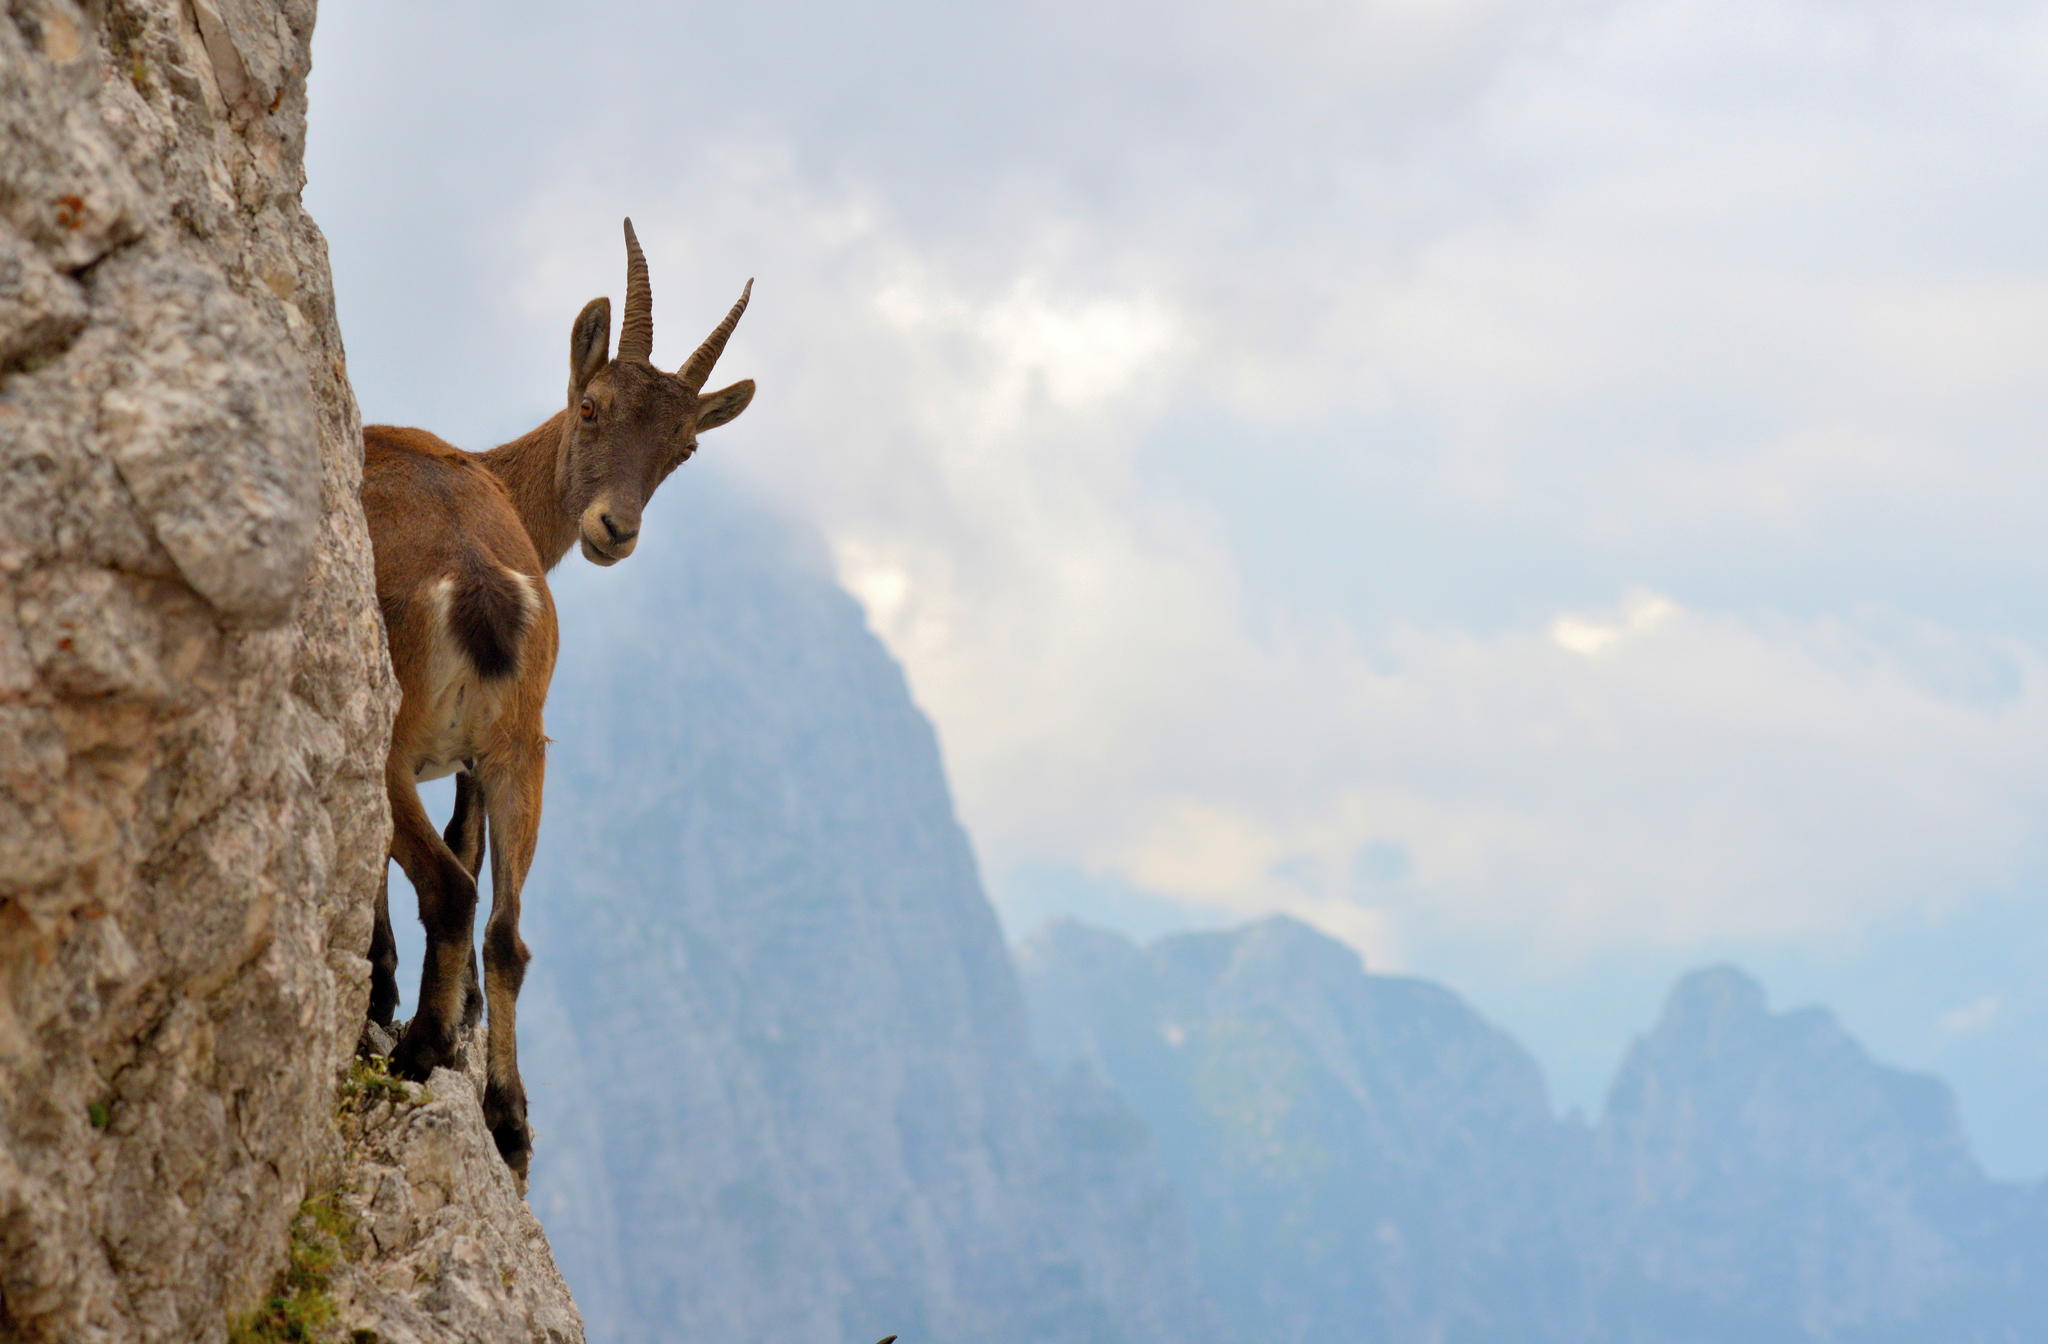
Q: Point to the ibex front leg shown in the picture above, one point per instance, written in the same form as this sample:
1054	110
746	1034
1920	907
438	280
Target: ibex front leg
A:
448	910
512	792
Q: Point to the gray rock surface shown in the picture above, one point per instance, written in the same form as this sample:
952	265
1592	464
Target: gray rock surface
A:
445	1250
194	696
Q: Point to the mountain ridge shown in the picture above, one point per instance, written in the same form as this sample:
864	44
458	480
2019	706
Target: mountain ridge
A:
1755	1174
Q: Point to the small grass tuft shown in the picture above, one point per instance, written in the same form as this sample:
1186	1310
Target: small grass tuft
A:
370	1081
301	1309
98	1115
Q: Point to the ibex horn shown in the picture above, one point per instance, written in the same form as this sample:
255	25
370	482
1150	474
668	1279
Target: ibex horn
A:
636	334
698	367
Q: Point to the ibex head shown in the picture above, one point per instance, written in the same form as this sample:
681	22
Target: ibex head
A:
629	423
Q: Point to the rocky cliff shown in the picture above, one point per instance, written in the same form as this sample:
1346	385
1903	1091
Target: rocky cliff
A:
193	707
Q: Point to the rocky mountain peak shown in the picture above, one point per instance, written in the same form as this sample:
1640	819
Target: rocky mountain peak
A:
1713	998
1285	944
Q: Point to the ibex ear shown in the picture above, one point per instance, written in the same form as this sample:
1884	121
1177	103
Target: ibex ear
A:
590	343
725	404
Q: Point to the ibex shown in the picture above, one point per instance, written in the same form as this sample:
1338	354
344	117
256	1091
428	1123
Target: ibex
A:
463	542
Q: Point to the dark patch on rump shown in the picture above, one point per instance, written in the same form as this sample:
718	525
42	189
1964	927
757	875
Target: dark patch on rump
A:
488	615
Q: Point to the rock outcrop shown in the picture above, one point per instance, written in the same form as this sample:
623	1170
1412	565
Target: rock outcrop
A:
437	1243
194	696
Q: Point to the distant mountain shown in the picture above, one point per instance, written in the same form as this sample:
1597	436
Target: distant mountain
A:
781	1075
1769	1181
1364	1158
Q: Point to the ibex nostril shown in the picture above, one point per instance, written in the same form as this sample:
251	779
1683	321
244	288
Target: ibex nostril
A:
615	532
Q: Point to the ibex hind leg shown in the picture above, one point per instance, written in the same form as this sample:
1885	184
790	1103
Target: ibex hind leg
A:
383	957
465	837
448	910
512	795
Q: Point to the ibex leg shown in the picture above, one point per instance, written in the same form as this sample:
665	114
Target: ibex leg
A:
512	793
383	957
465	836
448	910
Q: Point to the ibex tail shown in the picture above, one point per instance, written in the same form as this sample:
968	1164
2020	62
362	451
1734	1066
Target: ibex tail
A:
489	613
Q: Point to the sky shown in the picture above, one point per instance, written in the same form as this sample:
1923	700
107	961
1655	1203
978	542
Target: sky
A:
1548	493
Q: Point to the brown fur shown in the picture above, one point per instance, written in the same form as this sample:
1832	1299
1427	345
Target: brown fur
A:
463	543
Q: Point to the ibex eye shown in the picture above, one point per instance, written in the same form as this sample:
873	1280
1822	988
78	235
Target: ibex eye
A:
588	408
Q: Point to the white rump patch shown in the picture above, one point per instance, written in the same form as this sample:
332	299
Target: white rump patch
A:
460	704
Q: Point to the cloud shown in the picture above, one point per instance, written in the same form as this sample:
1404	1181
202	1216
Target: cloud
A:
1590	636
1972	1018
1586	450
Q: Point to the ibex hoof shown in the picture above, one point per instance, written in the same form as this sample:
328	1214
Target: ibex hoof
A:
420	1051
515	1145
505	1114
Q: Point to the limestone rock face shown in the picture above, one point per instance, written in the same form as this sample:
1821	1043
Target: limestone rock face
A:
445	1249
194	695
